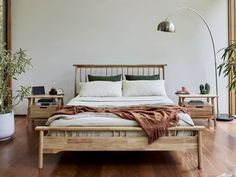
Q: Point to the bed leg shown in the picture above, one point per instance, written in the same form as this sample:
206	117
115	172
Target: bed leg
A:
199	149
40	162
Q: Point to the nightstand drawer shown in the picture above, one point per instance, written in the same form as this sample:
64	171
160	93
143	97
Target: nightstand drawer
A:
42	111
204	110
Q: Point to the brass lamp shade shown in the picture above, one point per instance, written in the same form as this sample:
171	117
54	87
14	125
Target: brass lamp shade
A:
166	26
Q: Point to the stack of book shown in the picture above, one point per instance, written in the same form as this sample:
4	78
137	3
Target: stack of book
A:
195	102
46	102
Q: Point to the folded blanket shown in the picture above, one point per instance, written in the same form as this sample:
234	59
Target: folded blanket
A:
154	120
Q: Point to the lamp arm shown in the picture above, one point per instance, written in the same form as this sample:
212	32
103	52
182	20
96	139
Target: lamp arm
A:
213	45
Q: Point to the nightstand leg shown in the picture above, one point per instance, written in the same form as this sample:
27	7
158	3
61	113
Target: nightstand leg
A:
214	120
214	116
209	123
208	100
28	110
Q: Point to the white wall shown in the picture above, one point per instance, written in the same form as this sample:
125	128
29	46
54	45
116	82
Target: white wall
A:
59	33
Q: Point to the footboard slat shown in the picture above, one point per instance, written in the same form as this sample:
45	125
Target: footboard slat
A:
55	144
179	128
58	144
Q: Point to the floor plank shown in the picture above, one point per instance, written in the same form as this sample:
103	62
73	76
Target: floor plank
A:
18	158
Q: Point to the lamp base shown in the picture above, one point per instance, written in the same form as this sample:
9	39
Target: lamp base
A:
224	117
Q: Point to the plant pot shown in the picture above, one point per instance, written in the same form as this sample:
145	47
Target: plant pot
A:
7	126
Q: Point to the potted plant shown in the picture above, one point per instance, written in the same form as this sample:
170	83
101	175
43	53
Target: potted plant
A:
11	66
228	65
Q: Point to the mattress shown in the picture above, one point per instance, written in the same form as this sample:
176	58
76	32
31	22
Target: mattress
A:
90	119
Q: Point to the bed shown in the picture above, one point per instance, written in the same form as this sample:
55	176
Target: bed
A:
106	132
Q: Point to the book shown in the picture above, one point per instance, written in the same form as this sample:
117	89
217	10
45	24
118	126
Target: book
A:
46	103
49	100
195	102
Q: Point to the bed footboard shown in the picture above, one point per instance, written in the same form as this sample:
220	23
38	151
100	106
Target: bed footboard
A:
52	144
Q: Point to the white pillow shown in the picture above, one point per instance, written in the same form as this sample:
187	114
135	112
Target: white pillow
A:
100	89
144	88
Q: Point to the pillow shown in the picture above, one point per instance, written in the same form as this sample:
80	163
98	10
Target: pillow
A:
142	77
144	88
100	89
104	78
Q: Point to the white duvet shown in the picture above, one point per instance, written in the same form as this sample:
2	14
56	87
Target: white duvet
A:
109	119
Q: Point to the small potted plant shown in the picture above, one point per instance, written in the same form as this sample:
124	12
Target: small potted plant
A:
11	66
228	65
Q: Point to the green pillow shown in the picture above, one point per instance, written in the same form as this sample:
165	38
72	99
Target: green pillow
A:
104	78
142	77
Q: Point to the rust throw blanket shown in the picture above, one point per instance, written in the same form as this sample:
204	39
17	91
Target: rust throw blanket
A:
154	120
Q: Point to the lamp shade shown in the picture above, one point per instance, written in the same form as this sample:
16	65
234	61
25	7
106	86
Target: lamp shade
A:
166	26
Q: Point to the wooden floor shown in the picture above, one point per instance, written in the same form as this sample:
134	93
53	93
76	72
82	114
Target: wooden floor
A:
18	158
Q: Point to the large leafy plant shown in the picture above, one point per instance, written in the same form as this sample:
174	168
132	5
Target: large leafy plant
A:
11	66
228	65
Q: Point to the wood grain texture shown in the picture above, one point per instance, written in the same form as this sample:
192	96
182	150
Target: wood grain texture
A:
21	160
55	144
199	111
8	28
9	24
196	96
82	71
118	65
231	40
45	96
58	144
35	111
46	128
41	142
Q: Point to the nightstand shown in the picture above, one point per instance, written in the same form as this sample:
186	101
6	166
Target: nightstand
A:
205	110
43	110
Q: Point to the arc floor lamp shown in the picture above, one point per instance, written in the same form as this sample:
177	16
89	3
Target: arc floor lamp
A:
168	26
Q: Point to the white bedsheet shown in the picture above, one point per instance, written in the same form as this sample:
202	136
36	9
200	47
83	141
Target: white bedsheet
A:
90	119
109	119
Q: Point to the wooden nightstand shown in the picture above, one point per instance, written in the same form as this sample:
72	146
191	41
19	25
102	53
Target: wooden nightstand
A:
198	110
36	111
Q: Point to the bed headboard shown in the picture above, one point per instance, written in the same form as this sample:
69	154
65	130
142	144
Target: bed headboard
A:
82	70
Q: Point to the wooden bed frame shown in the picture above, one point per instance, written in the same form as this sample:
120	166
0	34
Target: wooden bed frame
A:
53	144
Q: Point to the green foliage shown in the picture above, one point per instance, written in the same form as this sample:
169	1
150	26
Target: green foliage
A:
204	89
207	88
11	66
201	87
228	65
